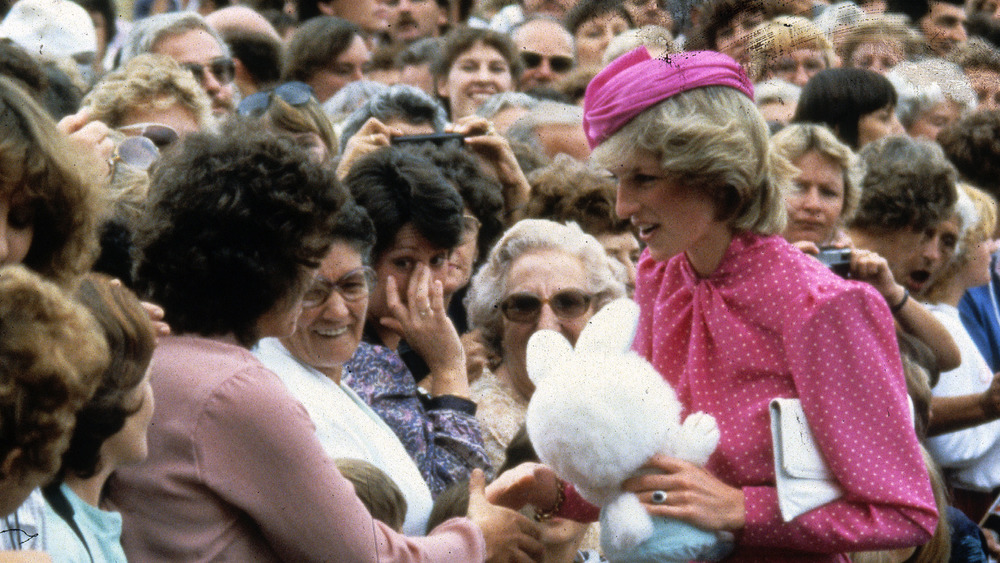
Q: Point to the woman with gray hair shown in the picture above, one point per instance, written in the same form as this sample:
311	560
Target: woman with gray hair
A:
933	94
540	275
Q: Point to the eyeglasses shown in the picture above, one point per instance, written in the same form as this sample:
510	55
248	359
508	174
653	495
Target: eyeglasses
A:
137	152
161	135
222	68
294	94
558	63
525	308
352	286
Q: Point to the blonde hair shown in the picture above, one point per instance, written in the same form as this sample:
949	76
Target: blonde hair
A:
882	28
977	211
52	356
797	139
148	81
715	140
376	490
784	34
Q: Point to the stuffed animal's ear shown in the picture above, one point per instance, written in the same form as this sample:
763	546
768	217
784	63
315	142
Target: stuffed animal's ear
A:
547	349
611	329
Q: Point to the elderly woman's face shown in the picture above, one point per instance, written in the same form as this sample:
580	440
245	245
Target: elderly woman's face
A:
543	274
816	200
17	228
476	74
408	249
937	117
328	334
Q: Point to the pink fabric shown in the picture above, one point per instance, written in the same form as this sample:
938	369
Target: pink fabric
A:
772	322
635	81
235	473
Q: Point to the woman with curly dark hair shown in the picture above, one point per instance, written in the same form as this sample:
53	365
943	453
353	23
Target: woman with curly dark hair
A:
236	228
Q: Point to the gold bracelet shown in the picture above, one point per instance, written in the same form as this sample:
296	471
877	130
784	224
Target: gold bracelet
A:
543	515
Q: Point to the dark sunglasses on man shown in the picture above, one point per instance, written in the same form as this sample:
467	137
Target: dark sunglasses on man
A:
294	94
526	308
558	63
222	68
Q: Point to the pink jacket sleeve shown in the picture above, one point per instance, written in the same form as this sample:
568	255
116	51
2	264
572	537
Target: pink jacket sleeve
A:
256	448
845	364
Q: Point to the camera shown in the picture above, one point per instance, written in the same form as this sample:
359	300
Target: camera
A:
837	259
436	138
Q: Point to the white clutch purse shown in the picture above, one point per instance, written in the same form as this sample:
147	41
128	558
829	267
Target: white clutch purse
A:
804	482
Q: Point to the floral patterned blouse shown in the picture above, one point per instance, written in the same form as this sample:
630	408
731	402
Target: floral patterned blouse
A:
440	433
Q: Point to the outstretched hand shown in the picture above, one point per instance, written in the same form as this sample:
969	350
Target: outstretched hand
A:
529	483
509	535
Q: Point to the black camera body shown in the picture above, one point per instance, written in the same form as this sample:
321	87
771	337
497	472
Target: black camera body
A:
837	259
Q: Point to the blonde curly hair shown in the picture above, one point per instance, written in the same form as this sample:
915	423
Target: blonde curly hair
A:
148	81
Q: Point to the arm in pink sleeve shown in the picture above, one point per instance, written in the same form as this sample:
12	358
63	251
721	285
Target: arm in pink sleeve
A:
844	360
256	448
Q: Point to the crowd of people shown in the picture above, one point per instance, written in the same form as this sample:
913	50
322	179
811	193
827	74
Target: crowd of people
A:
269	271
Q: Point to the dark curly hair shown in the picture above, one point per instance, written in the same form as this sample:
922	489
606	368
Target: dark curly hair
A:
907	184
131	340
233	222
972	144
397	187
480	193
38	165
568	190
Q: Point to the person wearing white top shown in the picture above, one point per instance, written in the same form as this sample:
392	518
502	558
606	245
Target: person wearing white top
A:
310	363
971	456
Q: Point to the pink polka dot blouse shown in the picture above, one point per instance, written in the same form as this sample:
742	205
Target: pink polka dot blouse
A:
773	322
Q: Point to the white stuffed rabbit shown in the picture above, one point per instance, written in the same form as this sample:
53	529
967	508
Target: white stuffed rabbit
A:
598	413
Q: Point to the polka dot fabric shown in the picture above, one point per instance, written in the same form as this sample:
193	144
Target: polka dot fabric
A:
773	322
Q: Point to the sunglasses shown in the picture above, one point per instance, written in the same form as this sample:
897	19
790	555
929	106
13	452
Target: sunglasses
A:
137	152
558	63
352	286
161	135
525	308
294	94
222	68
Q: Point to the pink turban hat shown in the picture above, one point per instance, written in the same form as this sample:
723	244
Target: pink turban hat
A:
635	81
